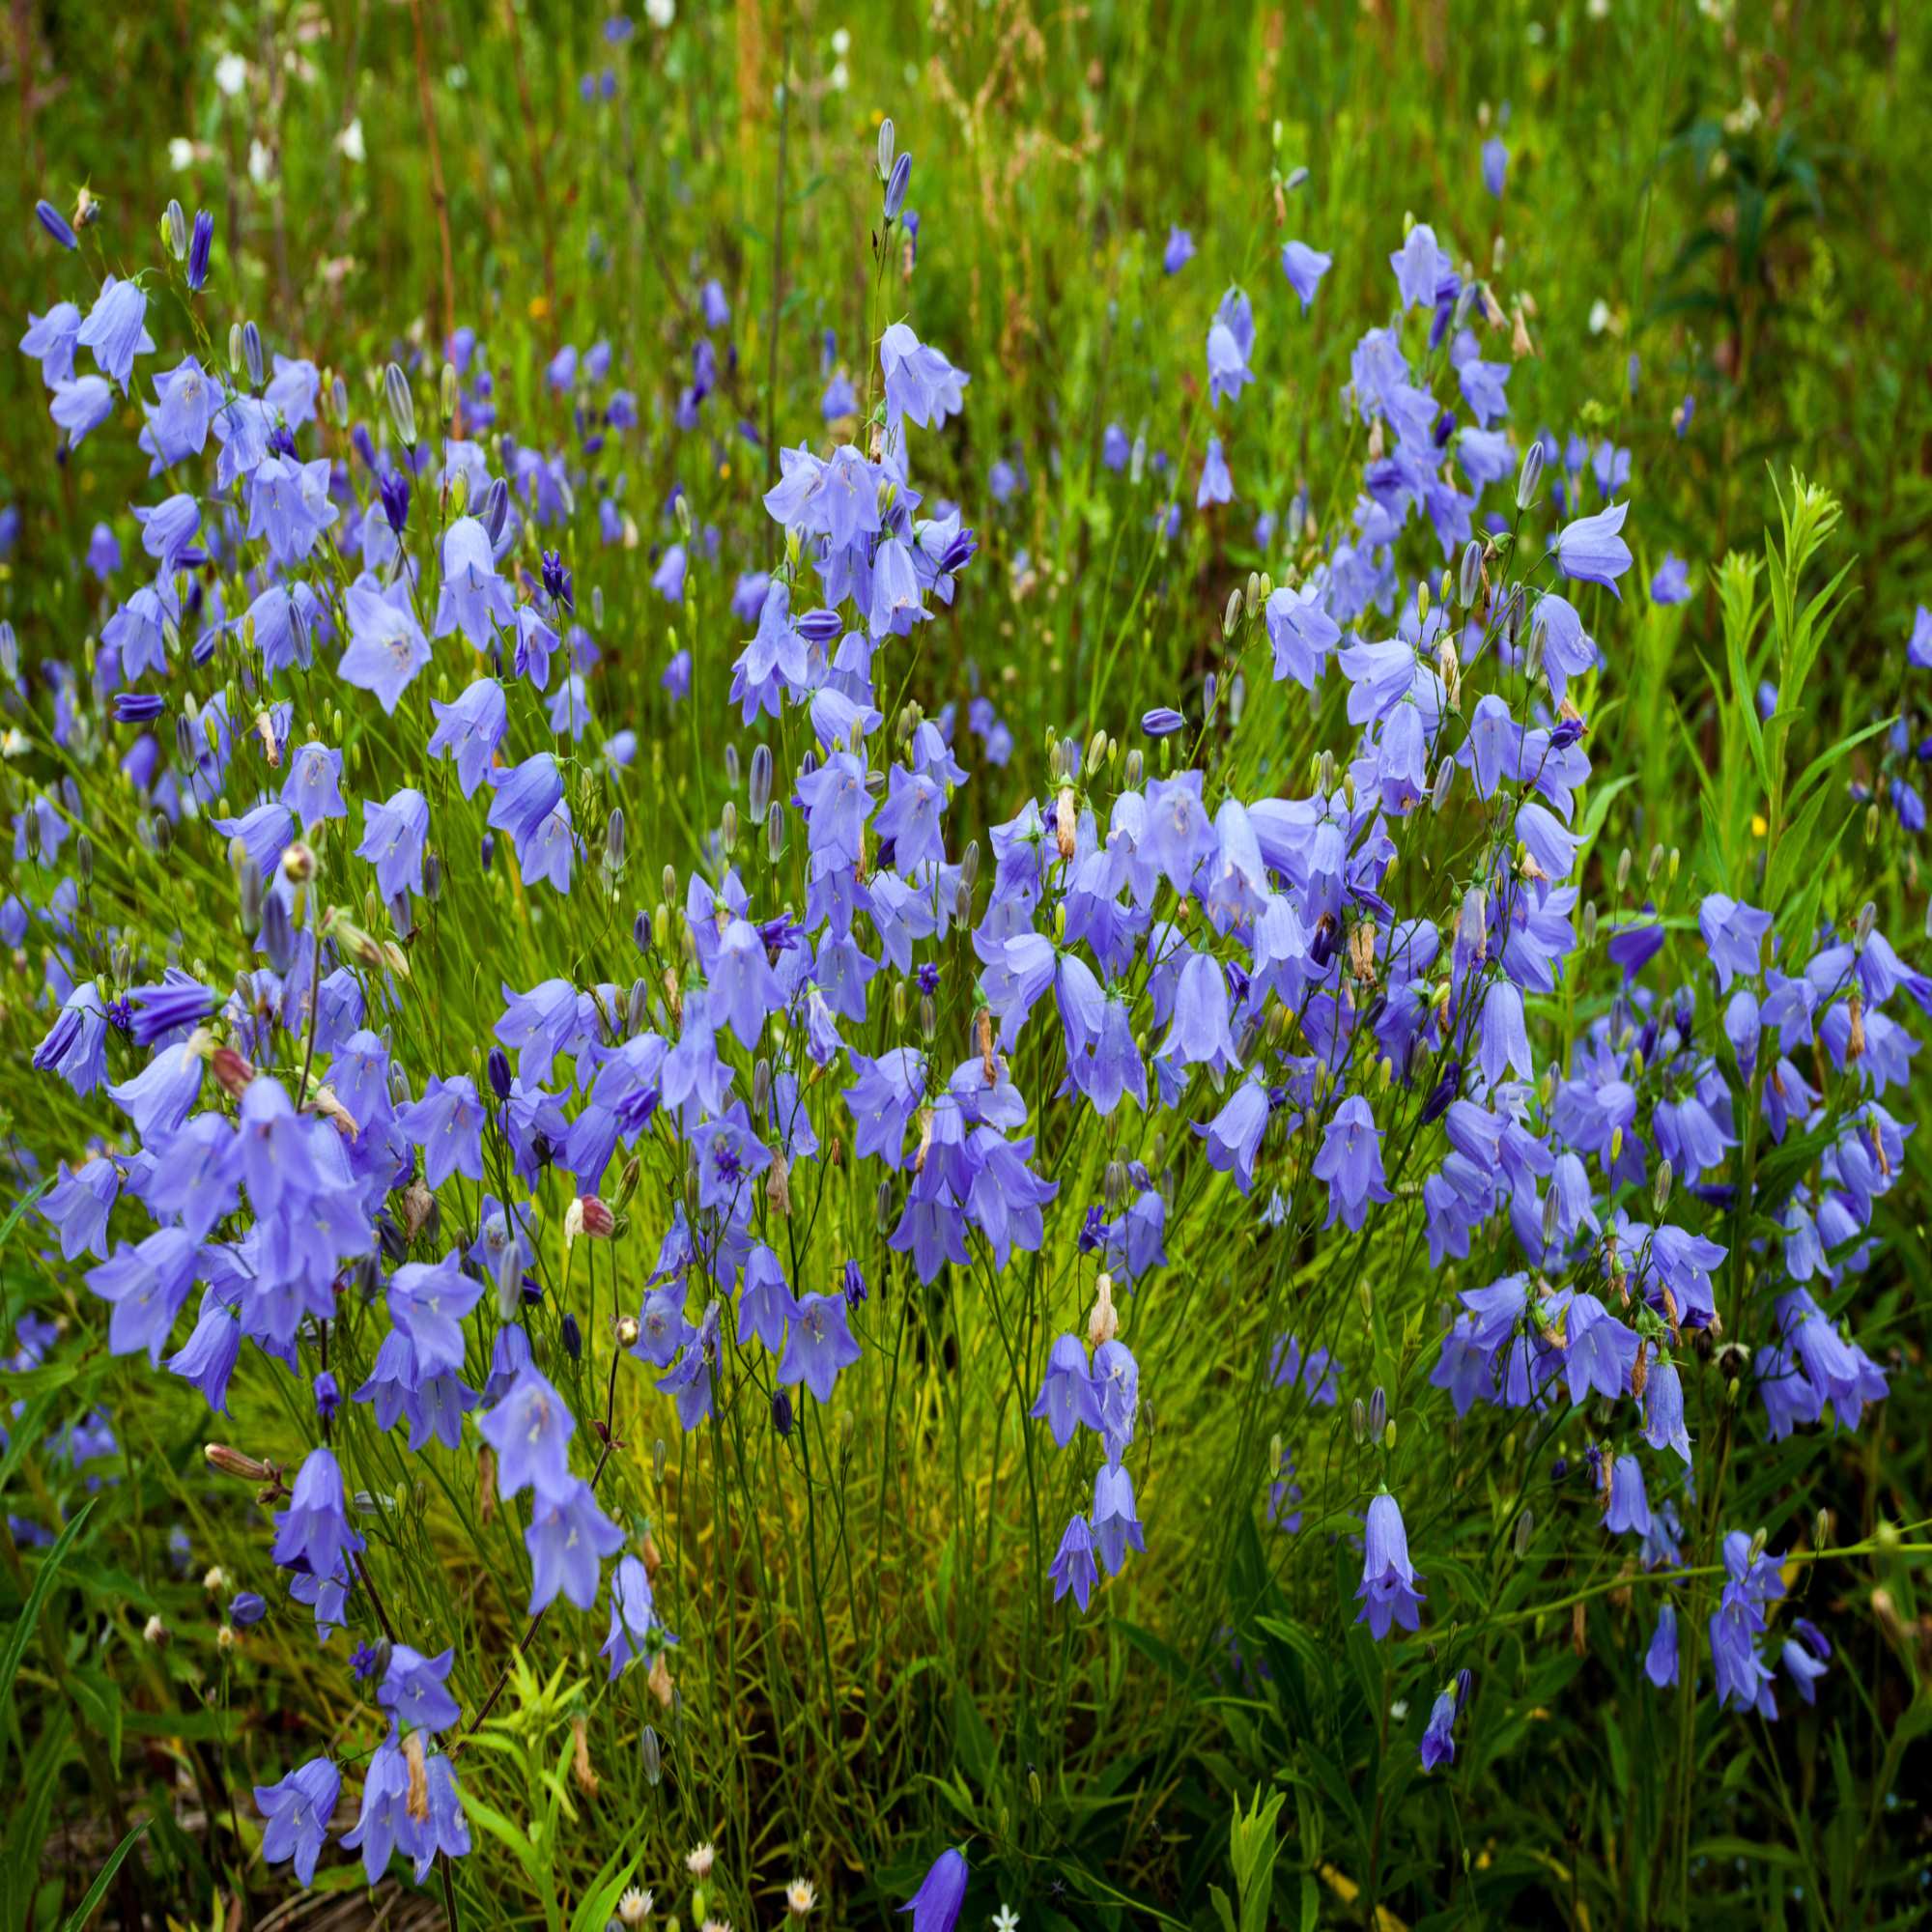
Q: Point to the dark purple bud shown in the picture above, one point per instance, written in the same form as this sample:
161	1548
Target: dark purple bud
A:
55	223
1442	1093
1162	722
495	508
499	1073
246	1608
820	627
556	584
251	354
394	490
854	1284
897	183
959	553
1569	732
137	707
782	1412
201	245
365	444
1445	428
573	1337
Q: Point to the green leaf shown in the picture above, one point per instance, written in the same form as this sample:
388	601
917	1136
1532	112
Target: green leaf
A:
97	1890
23	1632
599	1905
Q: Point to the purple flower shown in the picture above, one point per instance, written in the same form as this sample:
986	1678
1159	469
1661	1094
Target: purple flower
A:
1419	265
1734	934
1495	165
1438	1741
469	729
75	1046
1117	1527
393	835
935	1905
474	598
313	1532
116	329
1590	550
1672	583
428	1303
1660	1662
1351	1162
298	1809
414	1689
447	1125
818	1344
1067	1395
1230	339
530	1431
1218	486
387	646
632	1613
1305	266
1388	1593
1178	252
568	1536
1627	1509
1072	1567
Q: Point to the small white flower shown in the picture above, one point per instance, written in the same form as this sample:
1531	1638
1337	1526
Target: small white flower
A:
350	144
800	1898
698	1861
181	153
660	12
635	1906
1005	1919
1600	316
840	77
841	41
230	74
260	163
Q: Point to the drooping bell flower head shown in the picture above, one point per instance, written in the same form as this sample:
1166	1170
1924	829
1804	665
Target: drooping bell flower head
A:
1388	1595
935	1906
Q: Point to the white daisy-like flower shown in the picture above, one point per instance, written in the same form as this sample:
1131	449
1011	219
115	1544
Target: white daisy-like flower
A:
800	1898
698	1861
634	1908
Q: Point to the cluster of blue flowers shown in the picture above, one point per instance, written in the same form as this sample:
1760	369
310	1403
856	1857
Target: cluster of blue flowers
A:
1153	941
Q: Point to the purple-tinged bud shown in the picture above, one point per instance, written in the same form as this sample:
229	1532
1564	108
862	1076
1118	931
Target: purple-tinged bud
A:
327	1396
897	183
782	1412
855	1285
137	707
959	553
55	223
495	511
1162	722
820	627
251	353
573	1337
394	491
200	245
499	1073
1442	1093
556	584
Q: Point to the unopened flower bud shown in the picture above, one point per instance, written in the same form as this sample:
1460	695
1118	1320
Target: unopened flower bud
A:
1103	1323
